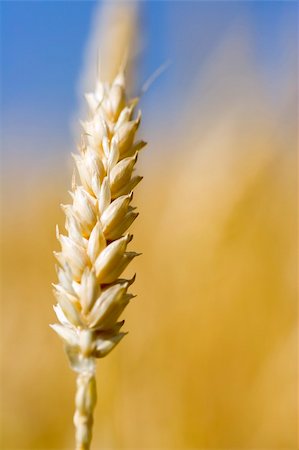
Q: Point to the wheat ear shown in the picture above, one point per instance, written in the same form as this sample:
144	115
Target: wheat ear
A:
90	293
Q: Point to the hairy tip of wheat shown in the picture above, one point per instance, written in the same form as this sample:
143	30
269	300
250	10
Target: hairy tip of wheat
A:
90	293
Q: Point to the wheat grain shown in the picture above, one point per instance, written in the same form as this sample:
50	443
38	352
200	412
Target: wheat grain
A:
90	295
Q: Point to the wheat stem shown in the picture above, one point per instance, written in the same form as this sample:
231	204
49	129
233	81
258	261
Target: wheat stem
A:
85	403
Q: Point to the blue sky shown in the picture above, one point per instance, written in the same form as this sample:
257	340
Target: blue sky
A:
43	44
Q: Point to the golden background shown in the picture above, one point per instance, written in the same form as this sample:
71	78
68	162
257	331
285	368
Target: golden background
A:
210	361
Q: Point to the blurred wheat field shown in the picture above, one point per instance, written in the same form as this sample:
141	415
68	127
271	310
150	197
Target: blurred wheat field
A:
210	361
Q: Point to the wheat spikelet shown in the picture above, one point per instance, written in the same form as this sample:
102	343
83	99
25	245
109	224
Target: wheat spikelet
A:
90	293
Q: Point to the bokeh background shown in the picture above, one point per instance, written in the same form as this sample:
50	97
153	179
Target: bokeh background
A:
210	361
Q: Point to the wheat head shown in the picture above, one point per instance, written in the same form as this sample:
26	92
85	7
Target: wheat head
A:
90	294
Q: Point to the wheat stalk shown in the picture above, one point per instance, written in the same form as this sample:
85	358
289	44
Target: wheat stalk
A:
90	293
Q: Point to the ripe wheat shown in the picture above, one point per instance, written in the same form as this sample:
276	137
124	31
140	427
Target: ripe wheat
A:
90	294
